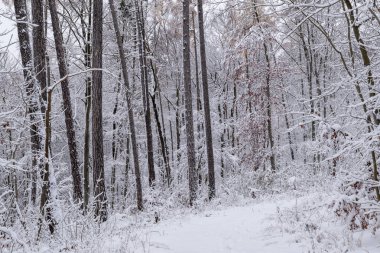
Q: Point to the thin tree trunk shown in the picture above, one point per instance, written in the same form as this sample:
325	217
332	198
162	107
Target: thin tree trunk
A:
129	106
126	175
234	114
163	126
198	91
206	104
114	144
164	148
269	110
86	148
222	145
198	100
178	123
45	205
288	127
140	36
70	132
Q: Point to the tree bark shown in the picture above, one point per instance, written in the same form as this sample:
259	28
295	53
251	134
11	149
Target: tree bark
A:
45	205
114	144
31	92
193	177
97	116
140	36
161	134
86	148
39	48
69	121
206	104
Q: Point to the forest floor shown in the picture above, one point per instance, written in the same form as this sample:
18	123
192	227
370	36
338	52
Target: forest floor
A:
250	228
286	224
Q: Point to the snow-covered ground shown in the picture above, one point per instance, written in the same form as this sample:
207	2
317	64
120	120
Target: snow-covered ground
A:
245	229
278	224
285	225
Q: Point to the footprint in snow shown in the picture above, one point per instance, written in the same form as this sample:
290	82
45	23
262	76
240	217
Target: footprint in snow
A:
159	245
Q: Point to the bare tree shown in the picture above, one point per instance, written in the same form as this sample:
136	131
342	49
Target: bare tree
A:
31	91
45	207
97	116
70	129
206	104
140	36
86	33
129	106
193	177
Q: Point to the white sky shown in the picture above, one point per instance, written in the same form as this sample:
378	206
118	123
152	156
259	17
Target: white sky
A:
8	31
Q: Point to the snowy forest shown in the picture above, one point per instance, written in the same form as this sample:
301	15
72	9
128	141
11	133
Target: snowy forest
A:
189	126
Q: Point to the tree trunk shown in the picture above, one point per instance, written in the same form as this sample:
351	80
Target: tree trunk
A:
164	148
129	107
86	148
222	143
198	91
198	102
193	185
70	132
45	205
31	92
206	105
140	36
114	144
178	124
97	116
126	175
39	48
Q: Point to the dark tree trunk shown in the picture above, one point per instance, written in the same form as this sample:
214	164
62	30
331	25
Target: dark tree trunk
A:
178	123
114	144
86	148
97	116
161	134
222	142
45	206
31	92
206	104
39	48
269	110
70	132
140	36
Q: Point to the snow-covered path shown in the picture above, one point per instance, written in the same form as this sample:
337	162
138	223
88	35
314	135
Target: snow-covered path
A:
285	225
236	229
